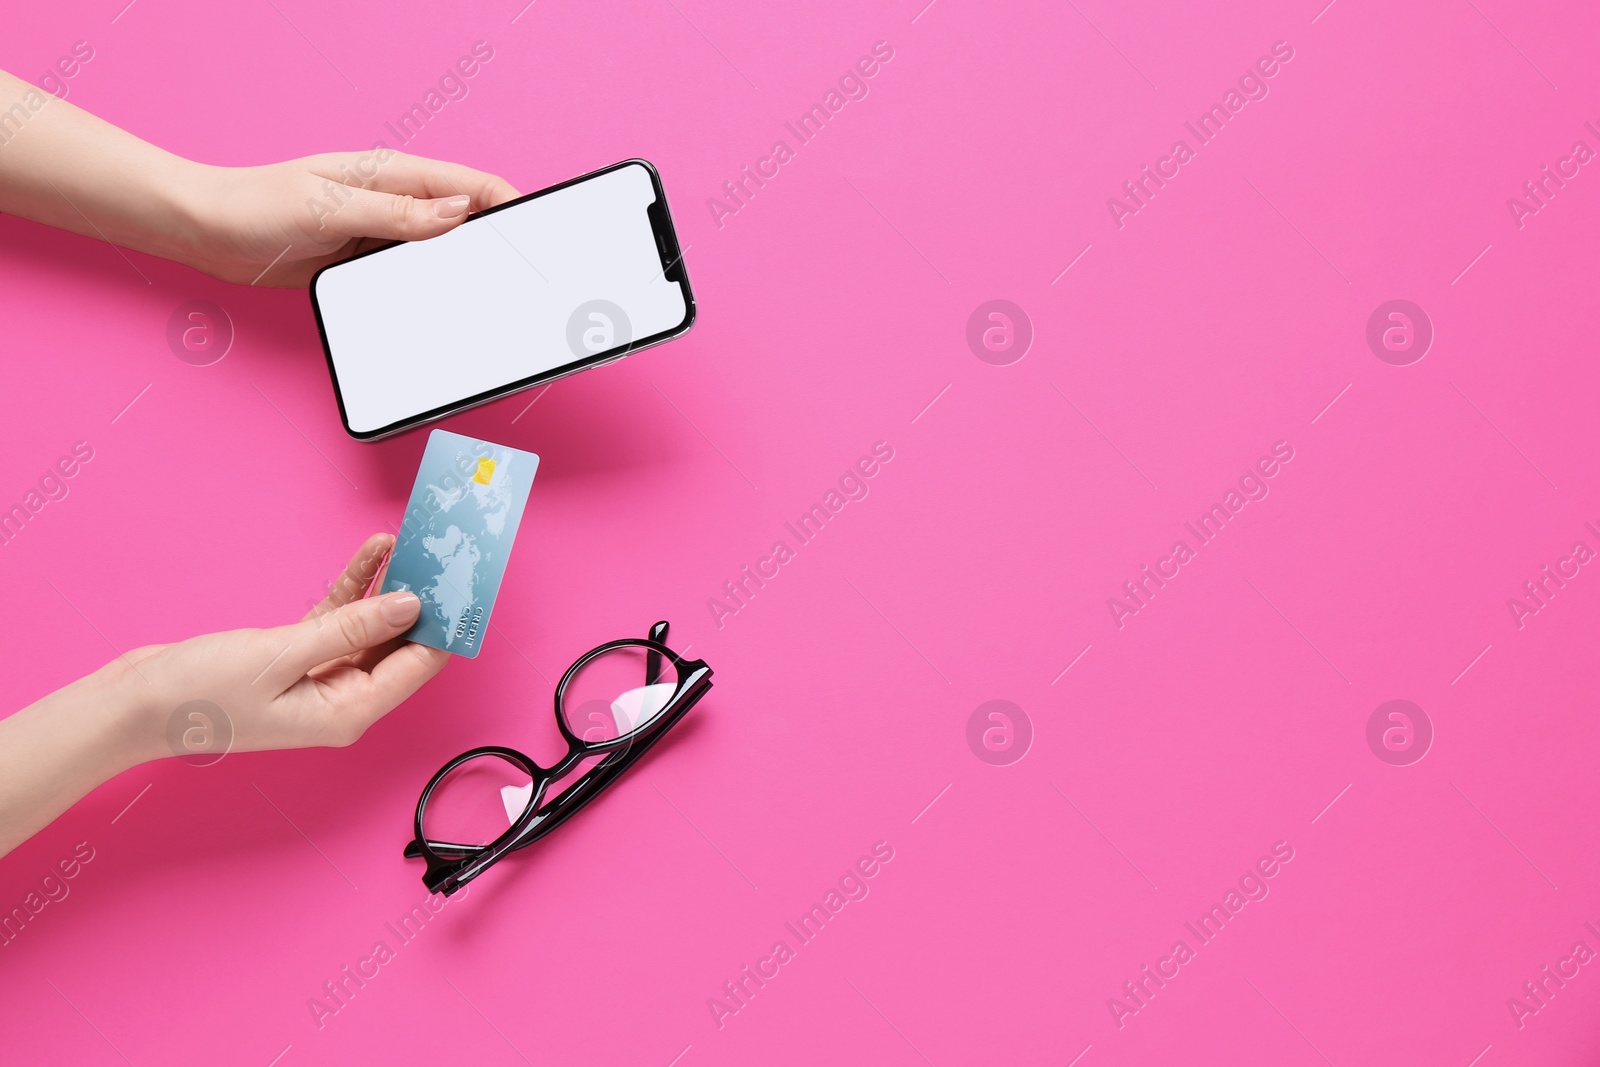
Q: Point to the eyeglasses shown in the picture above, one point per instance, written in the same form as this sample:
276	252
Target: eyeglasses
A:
612	705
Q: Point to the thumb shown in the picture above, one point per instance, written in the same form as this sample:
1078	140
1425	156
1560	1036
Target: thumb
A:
358	625
397	217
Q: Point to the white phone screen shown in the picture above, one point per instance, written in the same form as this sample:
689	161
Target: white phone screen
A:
522	292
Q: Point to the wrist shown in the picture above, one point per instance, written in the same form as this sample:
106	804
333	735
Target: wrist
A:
121	709
183	216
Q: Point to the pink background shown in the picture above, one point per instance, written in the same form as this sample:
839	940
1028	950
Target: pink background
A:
1224	717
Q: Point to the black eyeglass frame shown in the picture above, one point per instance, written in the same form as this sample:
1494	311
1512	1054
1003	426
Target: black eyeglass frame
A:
451	865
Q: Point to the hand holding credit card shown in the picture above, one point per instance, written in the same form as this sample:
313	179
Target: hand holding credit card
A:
459	525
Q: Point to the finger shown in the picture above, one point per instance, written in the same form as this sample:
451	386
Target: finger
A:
359	700
363	572
397	172
396	217
358	625
404	671
139	655
383	569
364	660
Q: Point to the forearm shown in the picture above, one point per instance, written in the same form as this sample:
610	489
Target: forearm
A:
58	749
64	167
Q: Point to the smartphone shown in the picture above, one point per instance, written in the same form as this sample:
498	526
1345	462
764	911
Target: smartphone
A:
567	278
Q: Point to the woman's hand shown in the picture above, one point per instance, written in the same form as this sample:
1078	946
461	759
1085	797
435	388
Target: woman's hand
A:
320	681
273	225
278	225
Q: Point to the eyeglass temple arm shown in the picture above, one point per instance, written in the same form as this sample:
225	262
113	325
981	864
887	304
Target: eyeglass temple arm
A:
652	660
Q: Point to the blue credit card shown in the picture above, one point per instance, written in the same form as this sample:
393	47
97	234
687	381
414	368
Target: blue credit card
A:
452	547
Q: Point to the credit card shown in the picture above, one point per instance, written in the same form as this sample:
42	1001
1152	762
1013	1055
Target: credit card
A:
455	538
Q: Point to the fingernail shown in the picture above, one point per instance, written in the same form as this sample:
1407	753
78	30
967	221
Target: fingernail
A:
451	208
400	607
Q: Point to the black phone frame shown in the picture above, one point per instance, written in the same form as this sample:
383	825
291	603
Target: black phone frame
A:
672	268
